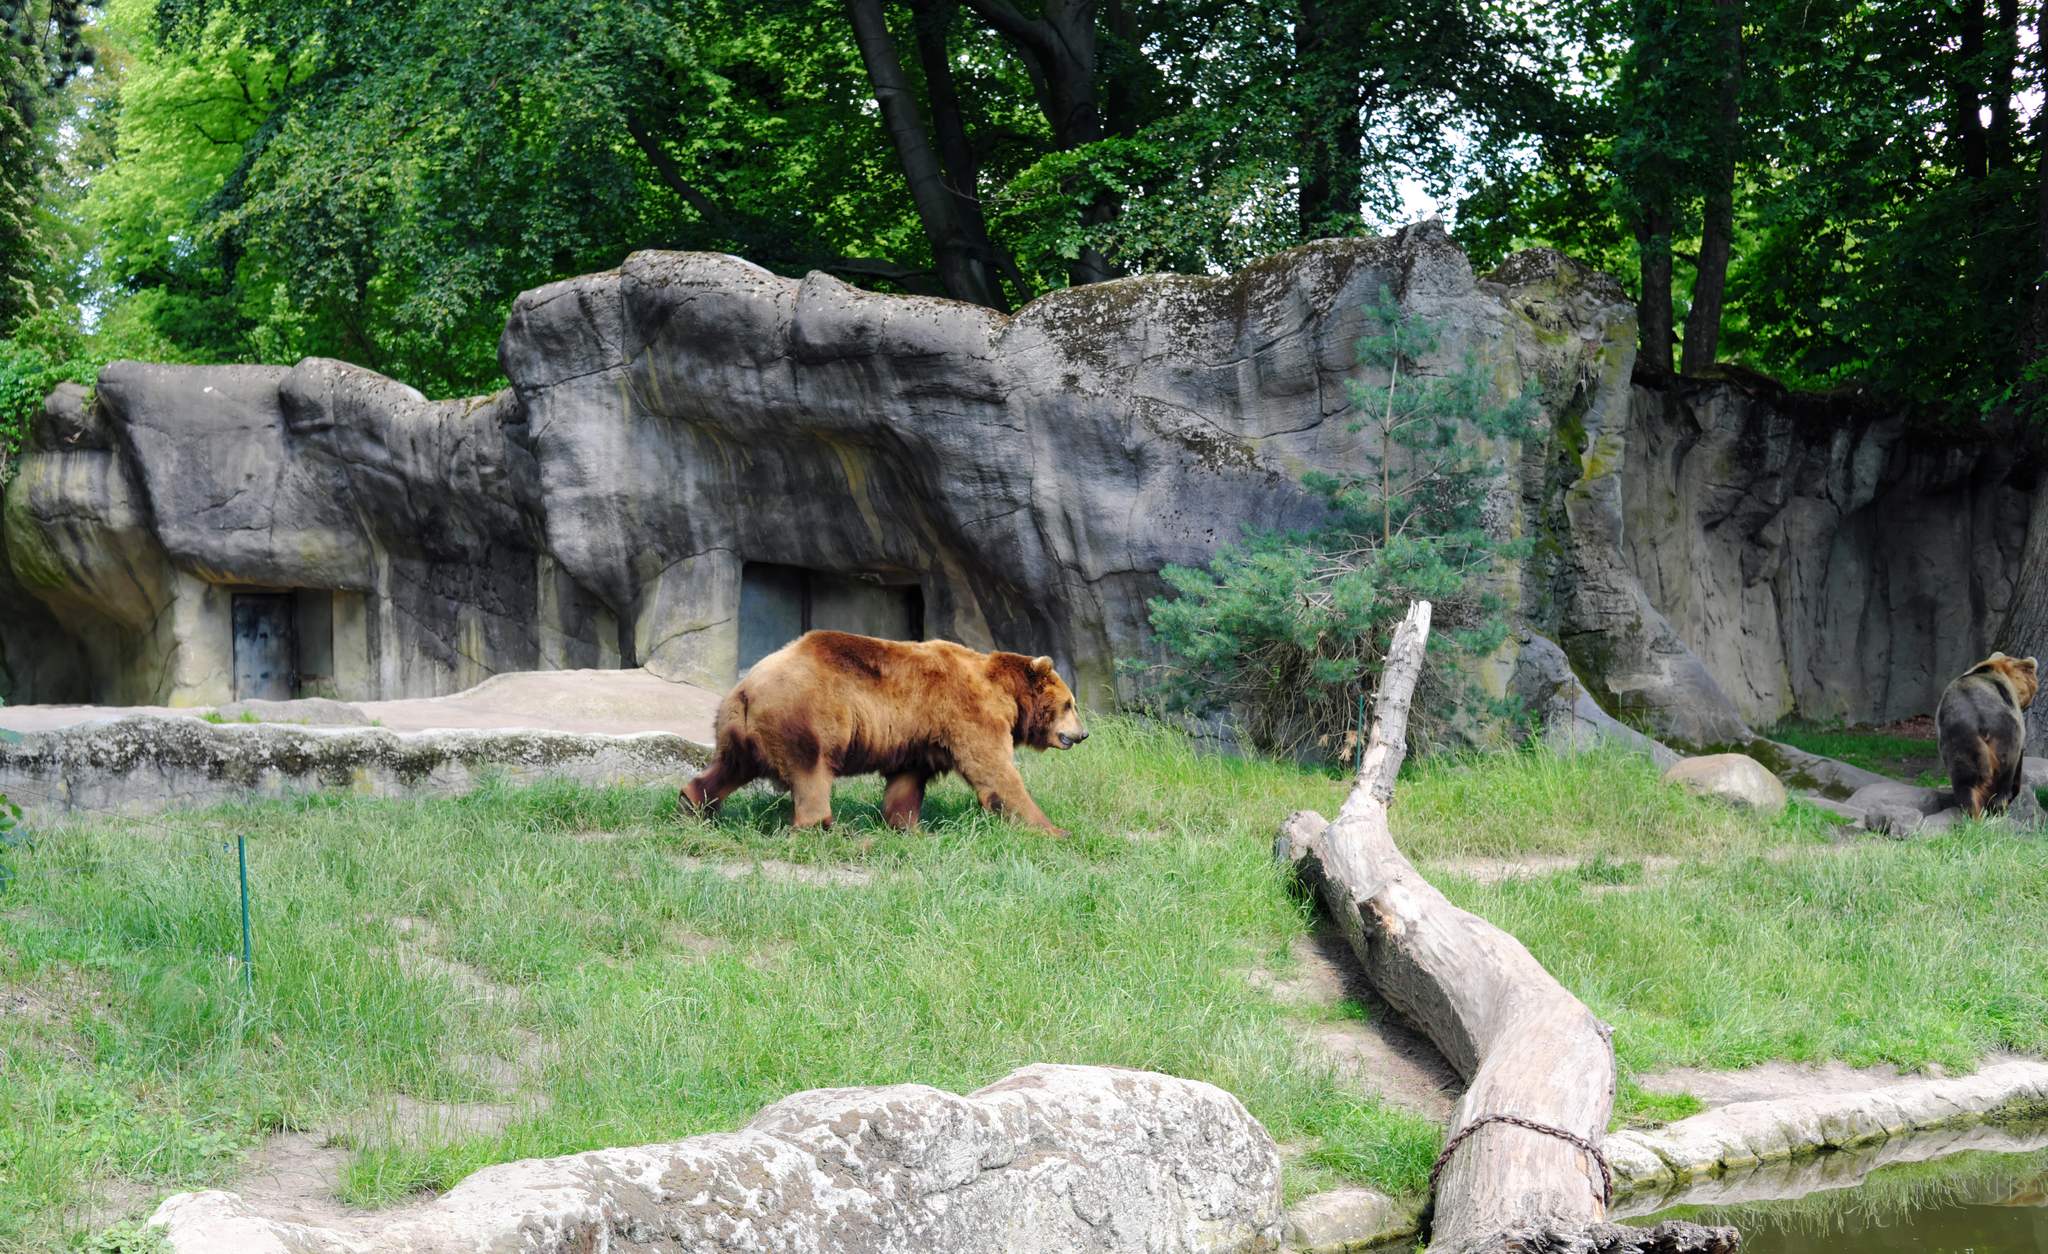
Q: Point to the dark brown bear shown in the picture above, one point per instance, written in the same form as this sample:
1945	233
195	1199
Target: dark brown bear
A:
831	704
1982	720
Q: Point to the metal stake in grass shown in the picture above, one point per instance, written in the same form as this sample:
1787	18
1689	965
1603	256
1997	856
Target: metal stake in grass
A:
242	857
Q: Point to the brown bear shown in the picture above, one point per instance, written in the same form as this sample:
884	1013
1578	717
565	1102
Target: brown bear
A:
831	704
1982	721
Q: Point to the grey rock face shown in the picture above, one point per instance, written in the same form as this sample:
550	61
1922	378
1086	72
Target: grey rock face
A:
684	415
1570	718
1922	801
1820	555
1050	1159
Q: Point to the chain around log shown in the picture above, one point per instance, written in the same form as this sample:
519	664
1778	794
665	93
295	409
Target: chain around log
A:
1451	1147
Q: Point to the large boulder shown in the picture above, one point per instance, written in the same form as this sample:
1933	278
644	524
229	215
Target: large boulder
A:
1735	778
1049	1159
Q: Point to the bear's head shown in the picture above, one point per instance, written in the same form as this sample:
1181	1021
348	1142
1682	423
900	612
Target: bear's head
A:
1046	716
2019	673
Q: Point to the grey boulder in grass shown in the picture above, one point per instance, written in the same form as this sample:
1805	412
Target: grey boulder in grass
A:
1096	1159
1735	778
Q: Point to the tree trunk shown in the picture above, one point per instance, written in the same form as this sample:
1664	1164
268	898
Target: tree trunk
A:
1058	48
1331	137
953	252
1527	1048
1653	308
1717	230
931	18
1966	126
2004	137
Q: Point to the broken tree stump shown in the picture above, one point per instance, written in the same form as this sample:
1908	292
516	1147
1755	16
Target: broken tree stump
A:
1521	1170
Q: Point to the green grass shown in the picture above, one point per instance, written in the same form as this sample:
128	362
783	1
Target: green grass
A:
658	998
1897	756
670	1000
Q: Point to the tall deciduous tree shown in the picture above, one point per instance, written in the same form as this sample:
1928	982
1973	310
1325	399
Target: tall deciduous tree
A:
44	46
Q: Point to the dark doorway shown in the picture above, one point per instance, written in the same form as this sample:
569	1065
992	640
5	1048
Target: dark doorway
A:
780	603
266	647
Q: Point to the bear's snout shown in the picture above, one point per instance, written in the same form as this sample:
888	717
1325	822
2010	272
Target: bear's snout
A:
1069	739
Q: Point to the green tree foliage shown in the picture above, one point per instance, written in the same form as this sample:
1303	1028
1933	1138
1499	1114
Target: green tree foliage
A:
1284	629
1886	211
44	48
376	181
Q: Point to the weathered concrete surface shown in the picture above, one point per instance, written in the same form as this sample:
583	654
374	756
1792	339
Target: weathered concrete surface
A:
1349	1219
1745	1134
1799	1176
141	764
317	711
1050	1158
598	702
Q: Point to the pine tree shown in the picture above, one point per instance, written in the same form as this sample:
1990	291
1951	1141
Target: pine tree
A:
1285	629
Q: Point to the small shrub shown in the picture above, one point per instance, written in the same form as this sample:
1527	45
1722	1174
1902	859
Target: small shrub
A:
1285	629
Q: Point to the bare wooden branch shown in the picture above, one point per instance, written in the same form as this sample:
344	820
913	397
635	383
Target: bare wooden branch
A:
1526	1047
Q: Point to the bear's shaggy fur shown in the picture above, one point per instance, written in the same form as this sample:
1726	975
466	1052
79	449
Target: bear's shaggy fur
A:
1982	721
831	704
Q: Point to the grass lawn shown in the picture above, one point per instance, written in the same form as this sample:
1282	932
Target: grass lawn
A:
586	954
1901	757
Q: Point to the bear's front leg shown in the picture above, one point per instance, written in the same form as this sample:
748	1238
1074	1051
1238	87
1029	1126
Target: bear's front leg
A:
903	800
1001	789
812	792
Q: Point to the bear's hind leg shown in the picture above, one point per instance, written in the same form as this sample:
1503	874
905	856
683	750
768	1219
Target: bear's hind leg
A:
903	800
735	767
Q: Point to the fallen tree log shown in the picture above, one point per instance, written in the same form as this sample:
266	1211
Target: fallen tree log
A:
1521	1170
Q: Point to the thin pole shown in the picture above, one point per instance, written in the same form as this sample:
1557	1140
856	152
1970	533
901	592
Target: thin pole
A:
1361	730
242	856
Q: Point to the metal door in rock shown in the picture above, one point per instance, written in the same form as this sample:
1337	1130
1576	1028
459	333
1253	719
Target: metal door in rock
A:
266	647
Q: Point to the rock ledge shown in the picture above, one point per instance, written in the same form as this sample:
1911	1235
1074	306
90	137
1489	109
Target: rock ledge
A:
1050	1158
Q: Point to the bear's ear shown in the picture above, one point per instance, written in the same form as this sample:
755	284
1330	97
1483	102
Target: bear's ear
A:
1041	665
2030	664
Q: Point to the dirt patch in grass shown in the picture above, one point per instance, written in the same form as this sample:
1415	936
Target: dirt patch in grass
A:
776	871
1375	1050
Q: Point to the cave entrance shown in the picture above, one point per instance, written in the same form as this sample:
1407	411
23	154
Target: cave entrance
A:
780	603
283	643
266	646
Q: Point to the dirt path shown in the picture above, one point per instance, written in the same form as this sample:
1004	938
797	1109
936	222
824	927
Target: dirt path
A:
1379	1054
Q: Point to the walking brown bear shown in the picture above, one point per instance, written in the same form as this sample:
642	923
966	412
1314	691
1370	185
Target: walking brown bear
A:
1982	720
831	704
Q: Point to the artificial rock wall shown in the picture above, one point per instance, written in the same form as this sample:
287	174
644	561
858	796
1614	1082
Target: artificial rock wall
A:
1830	557
674	421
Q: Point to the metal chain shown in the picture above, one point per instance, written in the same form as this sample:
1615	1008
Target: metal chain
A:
1451	1146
